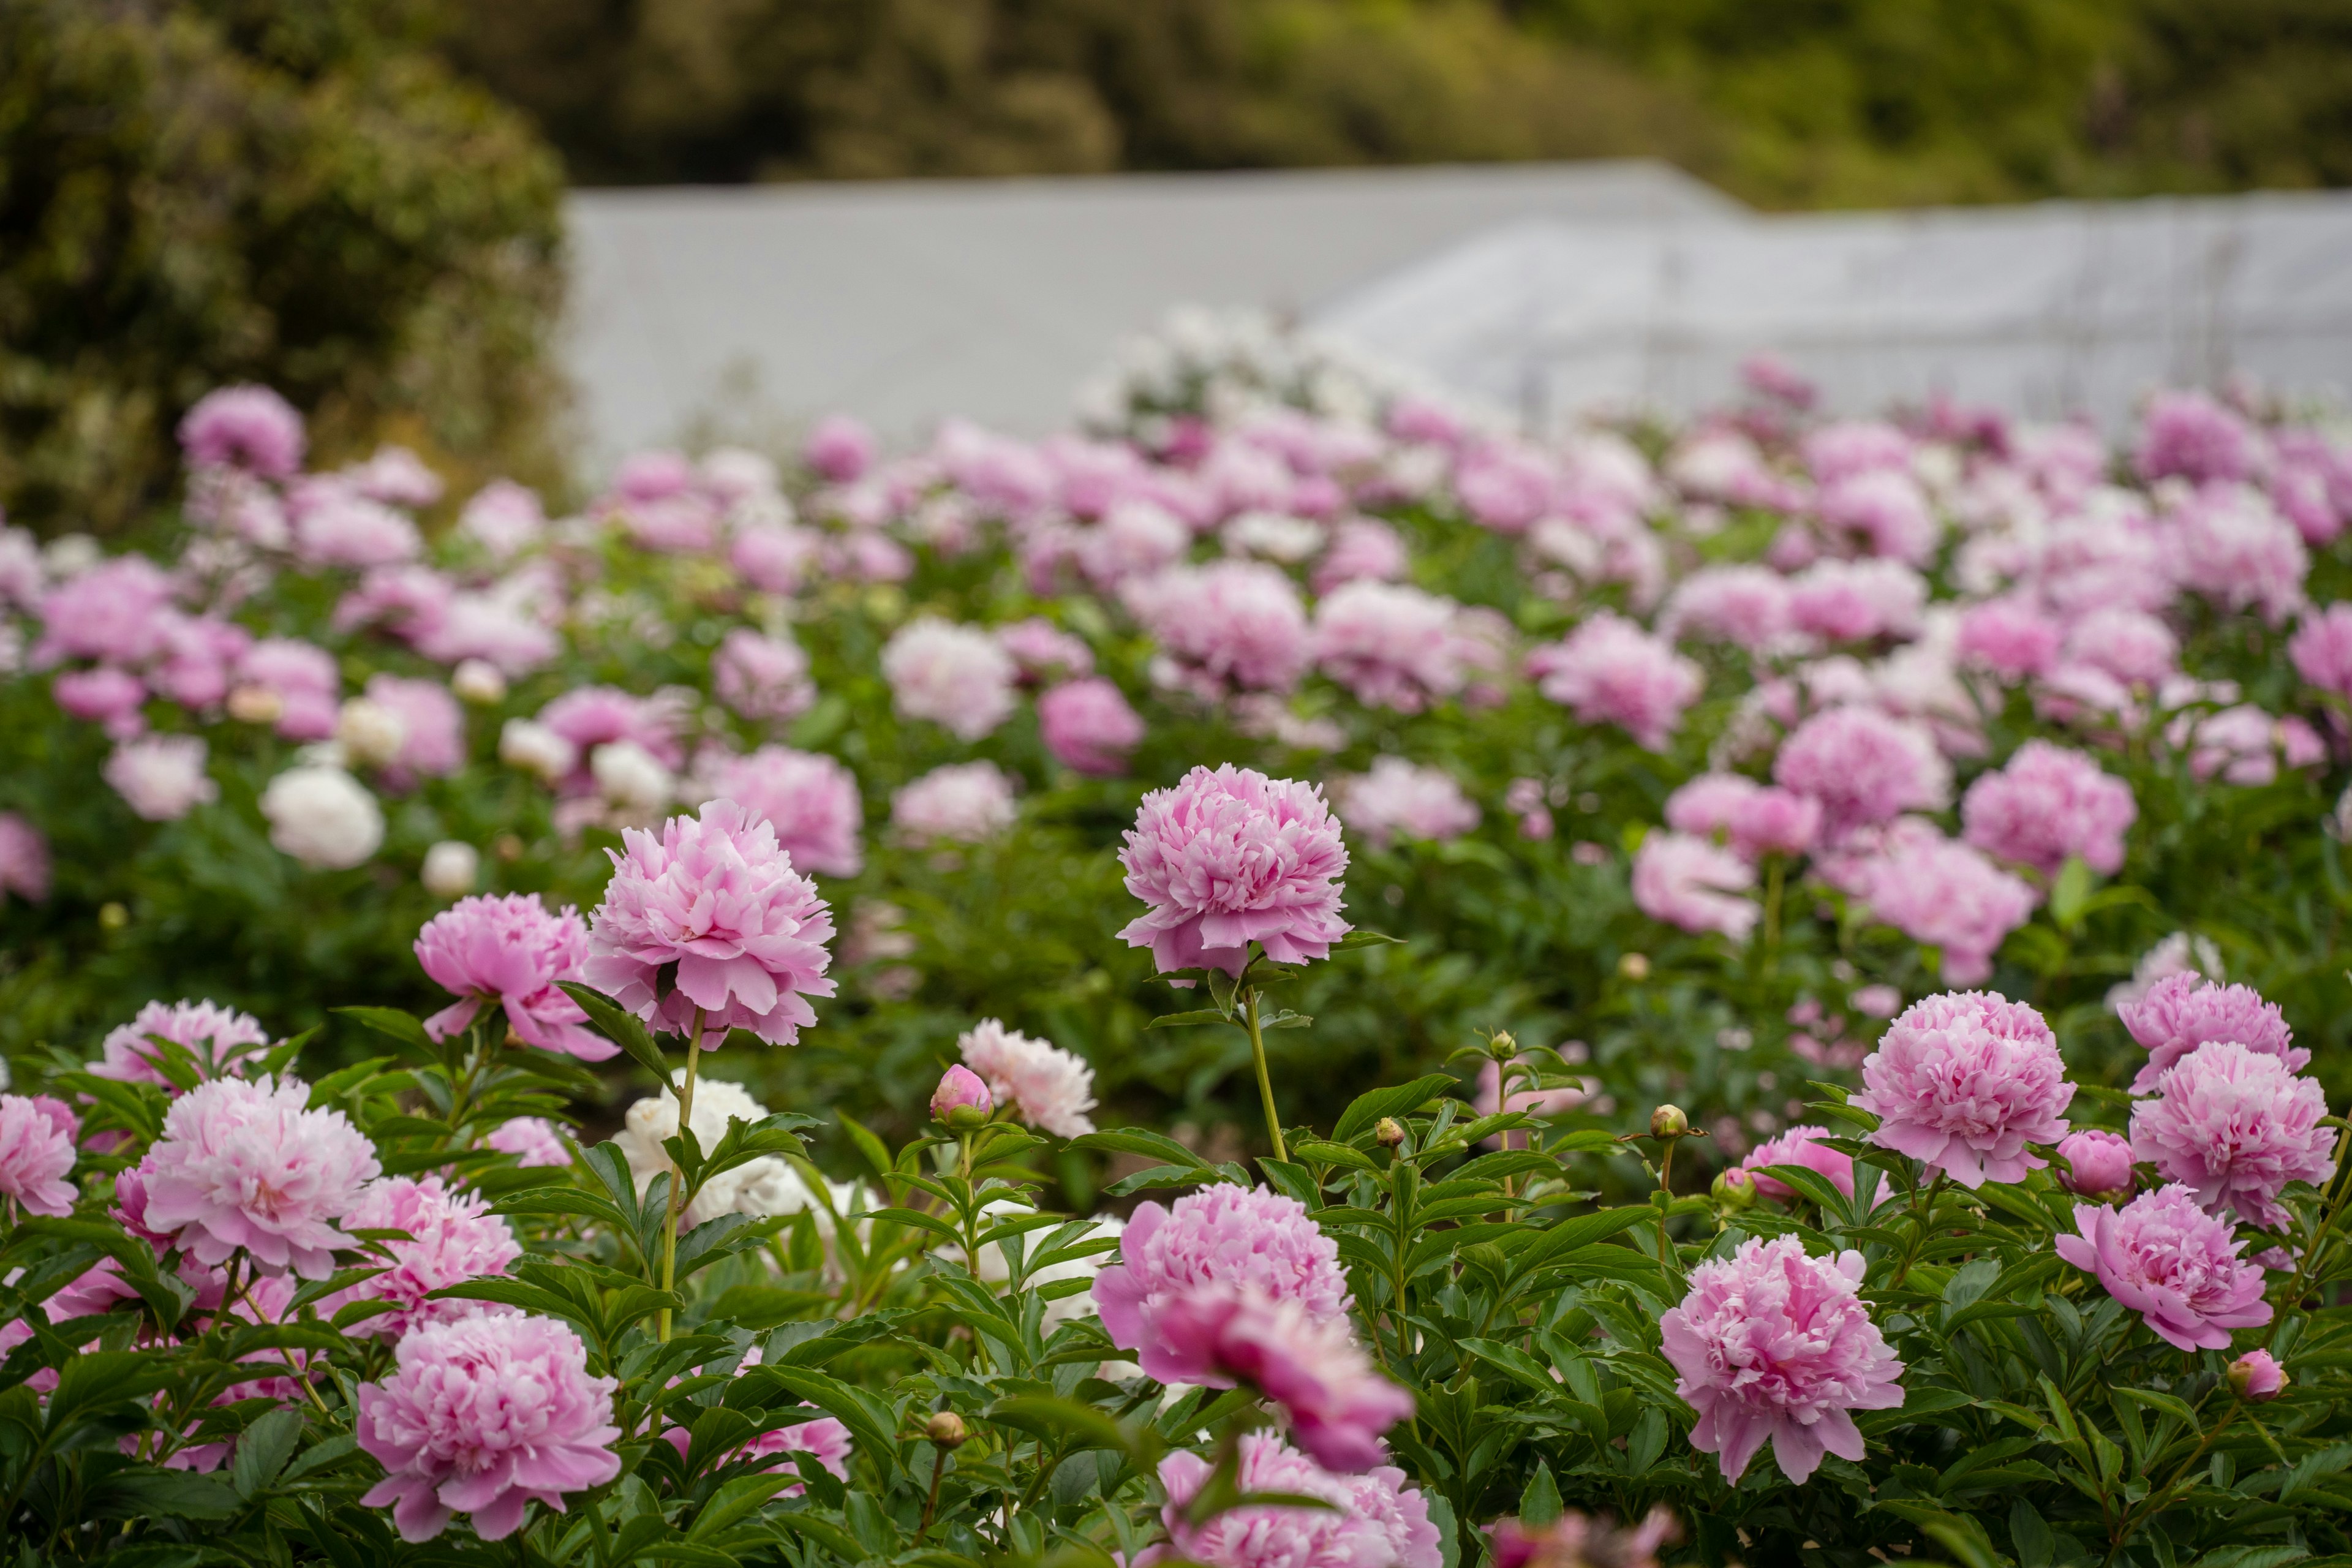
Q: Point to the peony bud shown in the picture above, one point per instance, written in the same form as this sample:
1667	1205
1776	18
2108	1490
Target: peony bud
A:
962	1101
946	1428
255	705
1735	1189
371	732
451	868
2257	1378
1389	1130
477	680
1634	966
1668	1122
2098	1164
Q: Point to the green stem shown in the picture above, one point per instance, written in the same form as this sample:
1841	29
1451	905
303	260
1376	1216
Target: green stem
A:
677	1176
1772	879
1265	1078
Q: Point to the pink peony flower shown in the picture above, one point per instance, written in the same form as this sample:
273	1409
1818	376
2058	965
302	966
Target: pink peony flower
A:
2049	804
593	716
1397	799
1887	509
220	1038
1224	1236
1963	1082
1608	671
452	1237
2234	1126
710	918
2009	637
2257	1377
1574	1540
1045	1084
433	727
955	676
773	558
840	449
481	1416
1773	1344
1856	447
809	798
24	859
1230	857
509	953
1391	645
105	696
962	1099
504	518
1227	627
1863	767
2227	545
162	778
1799	1146
1088	726
2186	435
1338	1406
967	803
761	678
37	1150
1856	601
335	525
1374	1519
198	655
1690	883
531	1139
248	427
2129	645
250	1165
113	613
1757	820
1044	651
1363	549
2098	1164
2172	1263
2181	1010
822	1438
303	680
396	476
1745	605
2322	649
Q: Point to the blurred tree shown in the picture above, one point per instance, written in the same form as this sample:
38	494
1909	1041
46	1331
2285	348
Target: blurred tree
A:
298	192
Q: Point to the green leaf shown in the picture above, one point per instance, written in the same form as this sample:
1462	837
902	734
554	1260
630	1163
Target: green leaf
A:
2069	893
1360	937
620	1025
1186	1020
393	1024
262	1450
1539	1504
1367	1109
737	1499
1067	1423
1140	1141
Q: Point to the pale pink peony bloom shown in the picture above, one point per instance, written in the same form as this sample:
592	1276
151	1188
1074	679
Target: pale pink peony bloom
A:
531	1139
1361	549
1745	605
1390	645
773	558
115	698
480	1416
2322	649
956	677
588	716
2049	804
303	678
2227	545
452	1237
808	797
161	777
2011	638
967	803
249	428
433	727
1089	726
504	518
250	1165
2234	1126
761	678
2098	1165
1226	627
1044	651
2175	1265
220	1038
1337	1404
36	1151
1857	601
2244	744
1885	508
1373	1520
1863	767
1043	1085
1771	1345
1220	1236
1799	1146
714	897
1856	447
2186	435
1756	819
1962	1082
335	525
1397	799
1575	1541
1692	883
509	953
1608	671
840	449
24	859
2129	645
396	476
113	613
2181	1010
1232	857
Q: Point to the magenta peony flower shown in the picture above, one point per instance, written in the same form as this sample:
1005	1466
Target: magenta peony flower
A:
1045	1084
2322	649
453	1238
1374	1519
1392	646
531	1139
509	953
2098	1164
250	1165
761	678
1397	799
2181	1011
2234	1126
2186	435
248	427
968	802
1231	626
1799	1146
1230	857
481	1416
1337	1404
2049	804
37	1150
1773	1345
711	917
24	859
1963	1082
810	800
1088	726
2172	1263
955	676
220	1038
2257	1378
1863	767
1608	671
1245	1238
1688	882
1757	819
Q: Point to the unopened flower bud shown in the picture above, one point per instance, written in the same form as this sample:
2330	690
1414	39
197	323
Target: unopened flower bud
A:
1634	966
946	1429
1389	1130
370	731
1668	1122
962	1101
2257	1378
112	916
255	705
2098	1165
451	868
479	681
1735	1189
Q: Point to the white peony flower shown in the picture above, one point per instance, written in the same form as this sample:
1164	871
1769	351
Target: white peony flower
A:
451	869
324	818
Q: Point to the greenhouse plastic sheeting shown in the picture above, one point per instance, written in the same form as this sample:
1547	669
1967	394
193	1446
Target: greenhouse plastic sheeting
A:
2063	309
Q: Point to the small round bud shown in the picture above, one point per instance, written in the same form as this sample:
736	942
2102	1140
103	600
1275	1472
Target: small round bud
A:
1668	1122
479	682
508	847
1634	966
2257	1378
1735	1190
1389	1130
451	868
255	705
962	1101
946	1429
371	732
112	916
